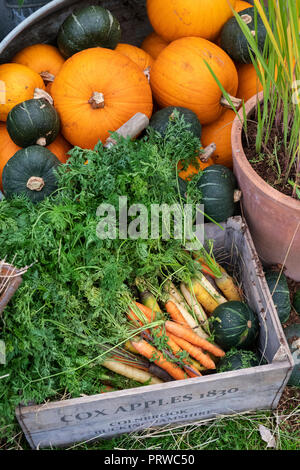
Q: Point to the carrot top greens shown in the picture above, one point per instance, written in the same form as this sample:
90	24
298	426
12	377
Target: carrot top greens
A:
74	297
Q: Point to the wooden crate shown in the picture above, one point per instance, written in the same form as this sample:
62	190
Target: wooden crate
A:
58	424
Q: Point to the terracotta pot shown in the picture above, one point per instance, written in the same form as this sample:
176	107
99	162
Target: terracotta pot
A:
273	217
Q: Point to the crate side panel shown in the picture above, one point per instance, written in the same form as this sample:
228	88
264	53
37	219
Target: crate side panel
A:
118	413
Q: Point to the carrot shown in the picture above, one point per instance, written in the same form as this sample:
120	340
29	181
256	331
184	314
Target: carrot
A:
148	312
130	372
203	297
210	288
175	313
146	350
176	349
228	287
194	351
191	337
141	314
180	304
194	305
149	301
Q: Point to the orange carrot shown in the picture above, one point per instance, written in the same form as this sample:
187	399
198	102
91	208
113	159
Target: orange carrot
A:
195	352
146	350
191	337
146	315
148	312
175	313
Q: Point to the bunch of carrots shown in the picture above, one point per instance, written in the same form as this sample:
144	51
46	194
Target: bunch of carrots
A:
174	338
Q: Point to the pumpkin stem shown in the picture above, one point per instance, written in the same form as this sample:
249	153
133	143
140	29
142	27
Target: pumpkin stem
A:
41	141
47	76
35	183
207	152
235	101
39	93
237	195
97	100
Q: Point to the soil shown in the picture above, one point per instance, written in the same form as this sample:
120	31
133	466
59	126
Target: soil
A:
271	169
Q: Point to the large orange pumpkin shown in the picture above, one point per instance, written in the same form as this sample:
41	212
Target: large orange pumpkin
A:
180	77
44	59
173	19
97	91
140	57
219	133
154	44
241	5
8	148
249	83
17	84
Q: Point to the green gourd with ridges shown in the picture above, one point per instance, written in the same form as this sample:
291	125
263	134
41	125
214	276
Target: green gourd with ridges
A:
292	334
296	301
30	172
160	120
279	290
217	185
87	27
237	359
33	122
234	42
235	325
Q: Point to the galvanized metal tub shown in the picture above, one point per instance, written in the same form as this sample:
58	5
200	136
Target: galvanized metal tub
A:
43	25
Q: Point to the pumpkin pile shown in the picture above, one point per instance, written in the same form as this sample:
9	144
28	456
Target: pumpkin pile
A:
91	83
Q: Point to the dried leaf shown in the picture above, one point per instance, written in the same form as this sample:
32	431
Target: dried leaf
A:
267	436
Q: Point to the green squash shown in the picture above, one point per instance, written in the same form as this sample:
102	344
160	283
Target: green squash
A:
234	325
237	359
233	40
90	26
296	301
292	334
217	185
160	120
33	122
30	172
281	294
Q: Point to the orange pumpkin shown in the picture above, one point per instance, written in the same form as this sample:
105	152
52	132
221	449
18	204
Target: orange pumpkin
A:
219	133
44	59
154	44
241	5
191	170
97	91
8	148
140	57
60	147
249	83
173	19
180	77
17	84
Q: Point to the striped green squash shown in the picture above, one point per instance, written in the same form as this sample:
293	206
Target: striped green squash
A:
234	325
33	122
237	359
280	294
296	302
90	26
217	185
292	334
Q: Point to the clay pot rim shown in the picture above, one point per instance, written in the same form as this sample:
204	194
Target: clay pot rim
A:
238	151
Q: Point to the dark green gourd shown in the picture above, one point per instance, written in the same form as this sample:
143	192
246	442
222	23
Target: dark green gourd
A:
279	290
237	359
234	42
292	334
217	185
235	325
30	172
33	122
296	302
160	120
90	26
